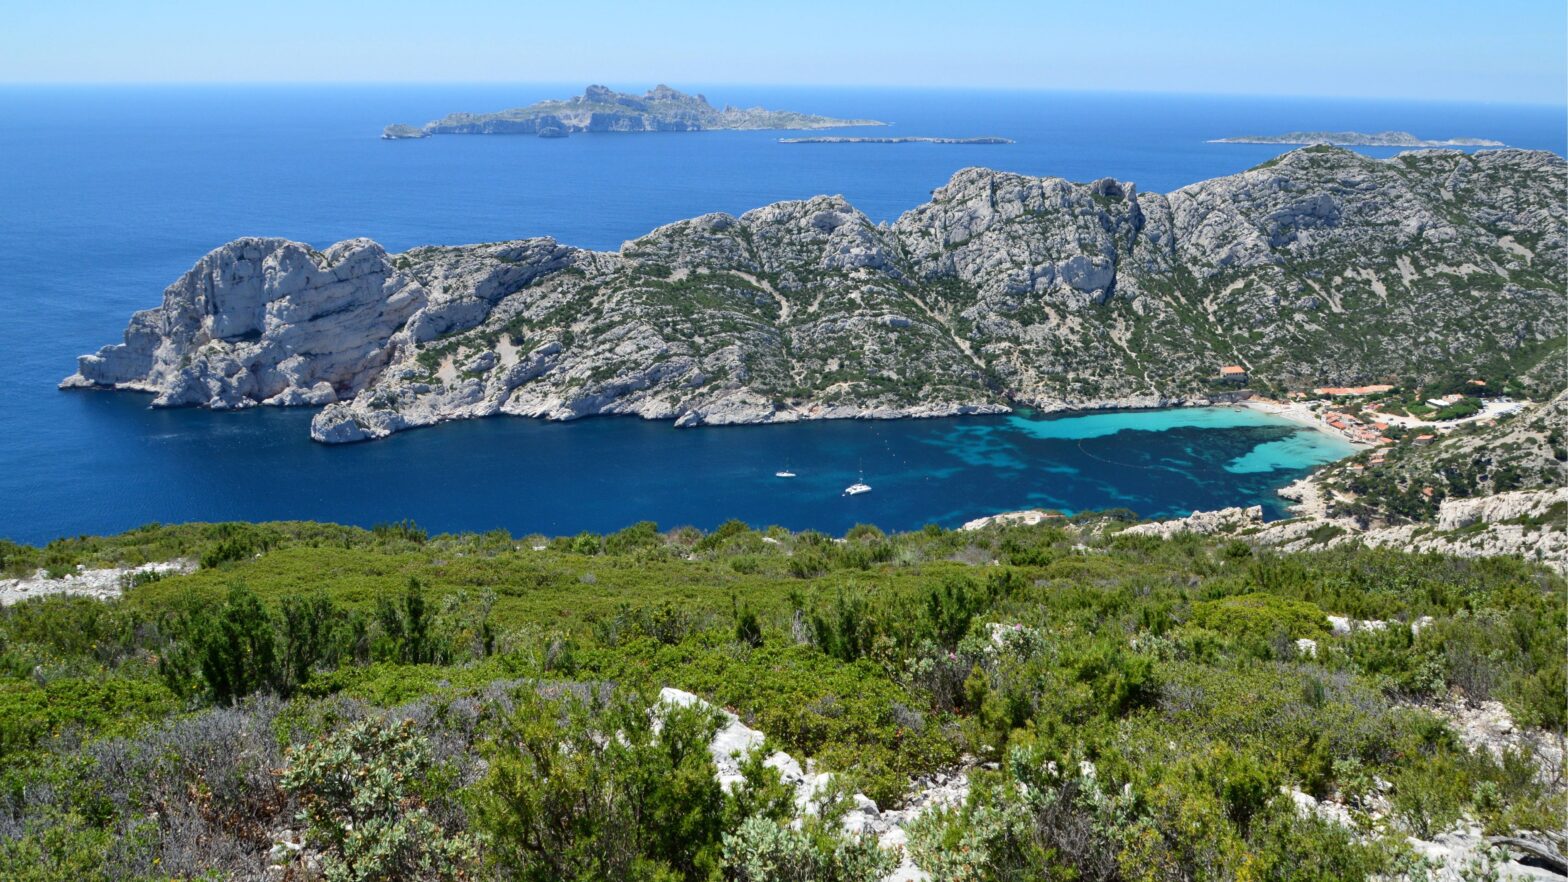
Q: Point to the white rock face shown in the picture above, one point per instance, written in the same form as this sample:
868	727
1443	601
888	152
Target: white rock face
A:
269	321
1029	517
1204	523
1455	514
263	321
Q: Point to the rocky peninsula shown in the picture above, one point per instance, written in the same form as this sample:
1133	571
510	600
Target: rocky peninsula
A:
844	139
1320	266
599	109
1357	139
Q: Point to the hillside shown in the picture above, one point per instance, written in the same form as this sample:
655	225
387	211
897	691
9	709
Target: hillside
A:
1322	266
1409	483
598	109
297	698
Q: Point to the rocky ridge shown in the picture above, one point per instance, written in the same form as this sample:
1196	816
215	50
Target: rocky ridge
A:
599	109
1002	290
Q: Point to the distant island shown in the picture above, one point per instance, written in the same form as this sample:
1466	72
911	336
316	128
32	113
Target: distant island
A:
847	139
1357	139
599	109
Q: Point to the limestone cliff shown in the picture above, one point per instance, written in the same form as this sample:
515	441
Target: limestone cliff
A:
1321	266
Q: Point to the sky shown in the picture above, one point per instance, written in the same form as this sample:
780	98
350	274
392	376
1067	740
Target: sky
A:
1512	51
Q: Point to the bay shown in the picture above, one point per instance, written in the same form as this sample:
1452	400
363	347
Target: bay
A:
107	194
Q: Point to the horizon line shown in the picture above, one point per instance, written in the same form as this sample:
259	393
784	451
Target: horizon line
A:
1558	104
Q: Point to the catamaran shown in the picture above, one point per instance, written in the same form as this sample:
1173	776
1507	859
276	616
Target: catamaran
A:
784	474
857	488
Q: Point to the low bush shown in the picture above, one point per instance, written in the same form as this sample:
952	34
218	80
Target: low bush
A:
358	791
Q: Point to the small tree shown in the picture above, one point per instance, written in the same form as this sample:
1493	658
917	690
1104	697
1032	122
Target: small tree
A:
405	627
360	808
238	648
309	632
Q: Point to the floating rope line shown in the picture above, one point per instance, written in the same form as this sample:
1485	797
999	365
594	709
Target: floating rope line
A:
1125	465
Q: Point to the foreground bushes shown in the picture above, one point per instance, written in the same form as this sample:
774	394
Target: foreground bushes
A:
593	789
379	691
589	785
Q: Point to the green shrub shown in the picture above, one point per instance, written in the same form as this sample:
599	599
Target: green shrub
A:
602	789
764	850
1260	615
238	649
360	806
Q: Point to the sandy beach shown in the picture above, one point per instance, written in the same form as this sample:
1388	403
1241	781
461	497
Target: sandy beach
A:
1298	412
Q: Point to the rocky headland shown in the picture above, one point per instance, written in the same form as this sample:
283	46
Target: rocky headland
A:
1320	266
1357	139
599	109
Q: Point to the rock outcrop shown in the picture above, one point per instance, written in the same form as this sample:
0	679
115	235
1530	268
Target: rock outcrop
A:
1528	523
735	740
100	584
1456	514
1027	517
1202	523
1002	290
263	321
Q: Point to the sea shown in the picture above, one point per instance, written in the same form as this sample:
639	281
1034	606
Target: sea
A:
109	193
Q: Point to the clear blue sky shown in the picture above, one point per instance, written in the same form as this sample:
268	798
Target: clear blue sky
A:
1505	50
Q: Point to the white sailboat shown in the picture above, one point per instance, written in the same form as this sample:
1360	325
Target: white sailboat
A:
859	486
784	474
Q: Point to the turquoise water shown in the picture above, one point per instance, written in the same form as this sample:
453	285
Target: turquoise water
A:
108	194
601	474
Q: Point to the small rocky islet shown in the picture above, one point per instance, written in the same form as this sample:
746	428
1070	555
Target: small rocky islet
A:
852	139
1357	139
1003	290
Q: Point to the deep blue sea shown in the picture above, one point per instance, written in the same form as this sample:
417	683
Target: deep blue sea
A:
107	194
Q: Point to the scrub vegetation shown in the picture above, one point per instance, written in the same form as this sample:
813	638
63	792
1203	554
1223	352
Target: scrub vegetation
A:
357	704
